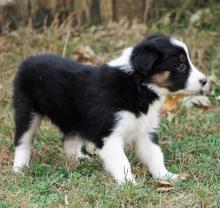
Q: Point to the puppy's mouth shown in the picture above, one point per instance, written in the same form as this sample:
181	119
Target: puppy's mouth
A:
189	92
176	90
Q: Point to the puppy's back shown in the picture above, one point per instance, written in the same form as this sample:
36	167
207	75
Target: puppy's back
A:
49	81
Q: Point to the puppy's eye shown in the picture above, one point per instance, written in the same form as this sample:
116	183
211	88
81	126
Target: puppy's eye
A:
181	68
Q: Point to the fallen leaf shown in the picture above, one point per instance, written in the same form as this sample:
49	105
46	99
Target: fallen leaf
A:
164	189
170	107
171	104
164	184
199	100
84	54
183	176
208	88
201	16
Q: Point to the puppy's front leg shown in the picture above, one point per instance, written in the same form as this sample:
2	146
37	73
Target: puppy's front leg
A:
150	154
115	160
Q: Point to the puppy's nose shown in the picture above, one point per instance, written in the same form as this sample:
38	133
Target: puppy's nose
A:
203	81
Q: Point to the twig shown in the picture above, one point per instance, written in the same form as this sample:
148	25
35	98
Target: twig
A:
66	43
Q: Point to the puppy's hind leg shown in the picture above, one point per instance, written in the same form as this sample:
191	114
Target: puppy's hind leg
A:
73	147
26	124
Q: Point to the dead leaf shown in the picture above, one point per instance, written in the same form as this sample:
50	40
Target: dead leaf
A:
198	100
171	104
164	184
183	176
208	88
84	54
164	189
201	16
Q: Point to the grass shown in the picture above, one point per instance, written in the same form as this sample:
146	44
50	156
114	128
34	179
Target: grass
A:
190	141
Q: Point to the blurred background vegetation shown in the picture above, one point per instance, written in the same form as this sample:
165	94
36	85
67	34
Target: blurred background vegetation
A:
14	13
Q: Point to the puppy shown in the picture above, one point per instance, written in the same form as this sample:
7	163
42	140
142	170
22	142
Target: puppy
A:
105	106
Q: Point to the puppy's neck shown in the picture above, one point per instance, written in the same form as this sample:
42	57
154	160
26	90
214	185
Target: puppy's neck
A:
161	92
123	61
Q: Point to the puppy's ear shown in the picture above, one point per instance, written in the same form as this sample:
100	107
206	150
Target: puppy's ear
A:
144	57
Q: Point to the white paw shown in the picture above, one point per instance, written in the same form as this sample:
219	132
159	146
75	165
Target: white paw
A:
18	169
90	148
22	158
169	176
82	156
124	180
172	176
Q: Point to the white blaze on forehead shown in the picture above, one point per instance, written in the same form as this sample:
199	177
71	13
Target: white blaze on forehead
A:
123	61
193	82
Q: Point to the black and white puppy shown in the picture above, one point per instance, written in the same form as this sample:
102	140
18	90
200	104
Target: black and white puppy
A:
105	107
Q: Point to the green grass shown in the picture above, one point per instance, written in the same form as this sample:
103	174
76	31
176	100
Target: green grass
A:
191	141
53	178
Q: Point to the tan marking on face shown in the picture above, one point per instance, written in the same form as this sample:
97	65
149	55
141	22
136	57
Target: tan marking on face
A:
161	79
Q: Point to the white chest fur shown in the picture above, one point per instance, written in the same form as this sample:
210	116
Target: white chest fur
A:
129	127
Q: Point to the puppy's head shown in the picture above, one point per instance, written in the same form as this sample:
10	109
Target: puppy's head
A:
165	63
